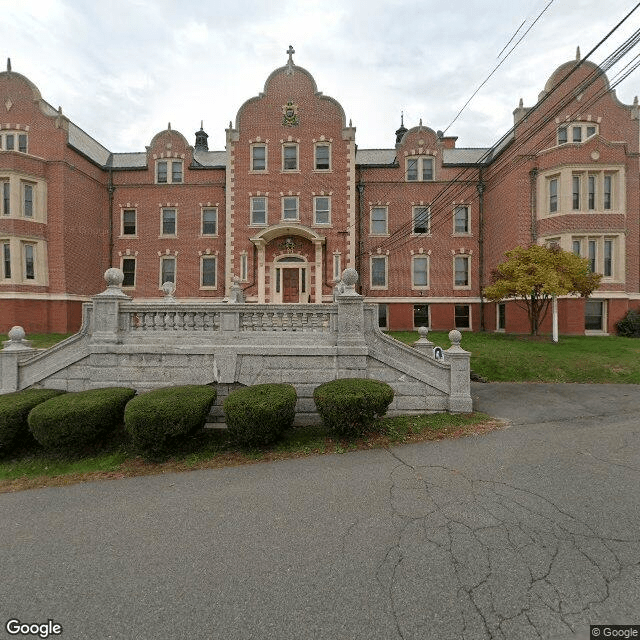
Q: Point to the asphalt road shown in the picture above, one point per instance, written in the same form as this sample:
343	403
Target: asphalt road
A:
532	531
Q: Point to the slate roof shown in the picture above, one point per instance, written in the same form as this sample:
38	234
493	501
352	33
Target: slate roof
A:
87	146
380	157
464	156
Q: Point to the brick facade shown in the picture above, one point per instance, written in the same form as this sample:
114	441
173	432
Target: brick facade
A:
291	202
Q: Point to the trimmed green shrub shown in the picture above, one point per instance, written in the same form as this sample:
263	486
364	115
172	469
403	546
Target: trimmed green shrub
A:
14	410
260	414
350	406
164	418
629	326
73	421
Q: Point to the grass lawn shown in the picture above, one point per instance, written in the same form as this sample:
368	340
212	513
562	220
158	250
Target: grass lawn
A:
41	340
513	358
212	449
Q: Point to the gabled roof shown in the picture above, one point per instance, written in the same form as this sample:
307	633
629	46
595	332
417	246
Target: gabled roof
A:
87	146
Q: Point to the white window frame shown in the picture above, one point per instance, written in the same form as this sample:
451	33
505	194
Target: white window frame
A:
604	323
421	164
386	220
203	210
418	208
244	266
467	259
386	272
553	199
414	259
5	196
135	271
5	258
16	134
259	145
316	146
467	220
169	163
252	203
455	324
124	210
164	259
316	210
337	266
163	234
34	260
290	145
292	199
25	187
215	272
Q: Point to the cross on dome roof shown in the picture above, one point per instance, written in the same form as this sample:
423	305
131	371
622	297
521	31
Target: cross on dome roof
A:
290	63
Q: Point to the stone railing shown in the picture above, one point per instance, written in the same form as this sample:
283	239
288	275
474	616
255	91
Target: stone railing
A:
145	345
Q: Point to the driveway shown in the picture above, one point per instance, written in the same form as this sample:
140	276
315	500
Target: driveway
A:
532	531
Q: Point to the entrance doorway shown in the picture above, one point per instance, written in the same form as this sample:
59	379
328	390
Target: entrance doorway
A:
290	282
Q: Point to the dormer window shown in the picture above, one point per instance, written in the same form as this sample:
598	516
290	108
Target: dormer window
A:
13	141
579	132
169	172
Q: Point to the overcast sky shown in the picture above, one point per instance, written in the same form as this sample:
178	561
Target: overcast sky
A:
123	69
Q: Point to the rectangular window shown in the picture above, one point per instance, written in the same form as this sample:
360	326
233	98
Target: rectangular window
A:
562	135
592	193
290	208
161	167
553	195
575	247
6	198
461	219
27	200
290	157
461	267
412	169
608	259
607	192
576	192
259	157
427	169
258	211
592	255
129	270
322	210
379	272
420	271
176	171
209	221
594	315
209	266
591	131
337	266
420	315
323	160
462	316
22	143
379	221
383	314
502	316
6	260
168	222
421	217
9	142
244	267
129	222
167	270
29	262
577	134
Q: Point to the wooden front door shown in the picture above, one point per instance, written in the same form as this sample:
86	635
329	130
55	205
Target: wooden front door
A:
290	291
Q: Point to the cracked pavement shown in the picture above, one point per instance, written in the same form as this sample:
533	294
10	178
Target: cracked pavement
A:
531	531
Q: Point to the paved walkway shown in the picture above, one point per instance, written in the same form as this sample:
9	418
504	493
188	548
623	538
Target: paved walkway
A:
532	531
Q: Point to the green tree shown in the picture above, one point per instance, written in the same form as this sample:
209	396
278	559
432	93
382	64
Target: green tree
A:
532	276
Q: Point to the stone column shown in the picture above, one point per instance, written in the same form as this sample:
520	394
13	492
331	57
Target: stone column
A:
460	386
351	345
260	243
15	350
318	282
106	309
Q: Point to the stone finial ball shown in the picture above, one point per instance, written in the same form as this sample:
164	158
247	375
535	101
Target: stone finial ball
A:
455	336
16	334
350	277
423	331
114	277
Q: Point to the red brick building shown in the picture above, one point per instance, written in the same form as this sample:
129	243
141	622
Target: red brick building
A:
292	201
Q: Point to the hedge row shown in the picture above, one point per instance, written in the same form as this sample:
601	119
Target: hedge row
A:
159	420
